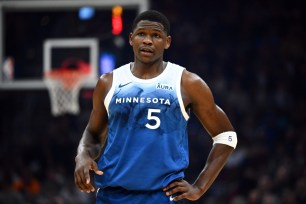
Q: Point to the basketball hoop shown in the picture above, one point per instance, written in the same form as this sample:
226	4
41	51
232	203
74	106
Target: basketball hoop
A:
64	87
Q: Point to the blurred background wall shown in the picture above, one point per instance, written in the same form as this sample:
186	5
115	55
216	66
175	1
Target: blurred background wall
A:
252	54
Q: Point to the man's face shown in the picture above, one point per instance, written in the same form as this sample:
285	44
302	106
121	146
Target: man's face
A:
149	40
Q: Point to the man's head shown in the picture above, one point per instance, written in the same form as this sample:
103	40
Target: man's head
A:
150	36
154	16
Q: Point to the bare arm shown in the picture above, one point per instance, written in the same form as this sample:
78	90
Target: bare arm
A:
93	137
94	134
197	94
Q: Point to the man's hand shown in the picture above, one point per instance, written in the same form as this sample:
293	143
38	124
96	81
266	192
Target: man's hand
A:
181	189
81	173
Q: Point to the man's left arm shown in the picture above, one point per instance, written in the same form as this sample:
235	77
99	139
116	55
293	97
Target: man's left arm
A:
197	94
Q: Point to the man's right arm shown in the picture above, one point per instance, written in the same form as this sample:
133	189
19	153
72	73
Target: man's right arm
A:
93	138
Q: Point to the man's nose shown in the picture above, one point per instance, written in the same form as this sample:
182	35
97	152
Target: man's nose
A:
147	39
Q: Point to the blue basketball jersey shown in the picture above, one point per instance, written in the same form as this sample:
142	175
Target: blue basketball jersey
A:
147	144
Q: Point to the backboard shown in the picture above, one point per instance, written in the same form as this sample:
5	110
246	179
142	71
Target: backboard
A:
36	36
77	53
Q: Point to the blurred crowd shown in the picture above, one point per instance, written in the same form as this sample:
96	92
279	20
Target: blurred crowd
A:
252	54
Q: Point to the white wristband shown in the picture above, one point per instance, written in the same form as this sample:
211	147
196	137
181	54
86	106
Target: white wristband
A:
228	138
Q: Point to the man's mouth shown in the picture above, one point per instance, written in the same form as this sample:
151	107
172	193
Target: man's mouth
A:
146	50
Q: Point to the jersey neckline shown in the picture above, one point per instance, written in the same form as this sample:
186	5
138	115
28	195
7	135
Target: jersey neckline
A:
134	78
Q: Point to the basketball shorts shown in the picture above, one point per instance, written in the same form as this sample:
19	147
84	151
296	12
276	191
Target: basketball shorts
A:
117	195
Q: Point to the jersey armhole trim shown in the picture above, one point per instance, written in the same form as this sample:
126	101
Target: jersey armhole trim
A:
110	93
179	95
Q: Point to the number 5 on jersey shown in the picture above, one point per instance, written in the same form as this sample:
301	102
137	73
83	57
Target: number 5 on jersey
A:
154	118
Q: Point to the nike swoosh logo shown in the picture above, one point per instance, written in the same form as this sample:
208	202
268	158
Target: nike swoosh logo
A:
122	85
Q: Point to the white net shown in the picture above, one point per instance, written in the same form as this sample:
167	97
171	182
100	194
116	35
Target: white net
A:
64	89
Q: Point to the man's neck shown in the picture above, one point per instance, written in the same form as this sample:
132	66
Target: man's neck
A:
147	71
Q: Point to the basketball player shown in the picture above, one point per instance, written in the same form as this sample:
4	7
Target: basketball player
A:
141	109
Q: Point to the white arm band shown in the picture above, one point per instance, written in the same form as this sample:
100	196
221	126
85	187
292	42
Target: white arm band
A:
228	138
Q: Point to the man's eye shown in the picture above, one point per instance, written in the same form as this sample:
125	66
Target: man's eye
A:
156	35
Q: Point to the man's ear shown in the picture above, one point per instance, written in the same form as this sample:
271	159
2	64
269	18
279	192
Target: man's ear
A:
130	39
168	42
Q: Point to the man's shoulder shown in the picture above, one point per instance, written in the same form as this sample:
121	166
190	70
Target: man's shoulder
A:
191	80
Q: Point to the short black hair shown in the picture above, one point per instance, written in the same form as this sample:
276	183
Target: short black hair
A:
155	16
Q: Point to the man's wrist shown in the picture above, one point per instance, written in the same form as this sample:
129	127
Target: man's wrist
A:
82	154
